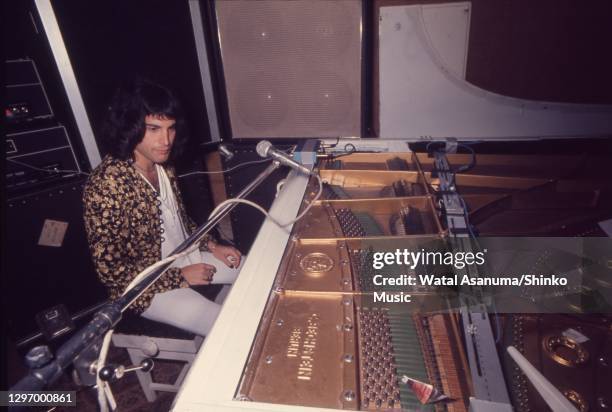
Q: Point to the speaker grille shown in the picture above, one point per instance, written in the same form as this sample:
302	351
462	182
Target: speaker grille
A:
292	67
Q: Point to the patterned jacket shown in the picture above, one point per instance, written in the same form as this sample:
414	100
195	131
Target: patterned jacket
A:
122	219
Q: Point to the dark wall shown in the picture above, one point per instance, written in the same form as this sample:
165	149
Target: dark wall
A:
37	277
554	50
112	41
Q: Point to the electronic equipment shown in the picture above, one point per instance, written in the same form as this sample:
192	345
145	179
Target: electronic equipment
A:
26	99
39	153
54	322
35	158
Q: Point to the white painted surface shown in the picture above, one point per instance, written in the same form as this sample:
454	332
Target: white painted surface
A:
447	27
60	54
204	65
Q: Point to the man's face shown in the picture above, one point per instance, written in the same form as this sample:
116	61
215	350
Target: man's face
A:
157	142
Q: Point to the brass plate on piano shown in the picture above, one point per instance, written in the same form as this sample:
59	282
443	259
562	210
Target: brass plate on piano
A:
316	263
301	358
323	266
319	223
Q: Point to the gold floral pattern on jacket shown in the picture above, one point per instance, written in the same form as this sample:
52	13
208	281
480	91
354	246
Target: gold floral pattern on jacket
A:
123	224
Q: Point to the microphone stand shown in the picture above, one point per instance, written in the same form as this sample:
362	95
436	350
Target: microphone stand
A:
45	370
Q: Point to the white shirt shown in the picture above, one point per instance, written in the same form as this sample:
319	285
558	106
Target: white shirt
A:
173	230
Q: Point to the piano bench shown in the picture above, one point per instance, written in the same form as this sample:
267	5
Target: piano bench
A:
144	338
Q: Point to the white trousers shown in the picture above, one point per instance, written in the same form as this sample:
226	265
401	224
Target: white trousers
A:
187	309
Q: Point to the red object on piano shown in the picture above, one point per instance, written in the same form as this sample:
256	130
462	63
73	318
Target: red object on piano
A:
424	392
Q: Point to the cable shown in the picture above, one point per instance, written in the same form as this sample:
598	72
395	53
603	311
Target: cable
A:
262	210
105	394
279	187
335	144
349	149
225	170
157	265
463	168
55	170
332	145
201	172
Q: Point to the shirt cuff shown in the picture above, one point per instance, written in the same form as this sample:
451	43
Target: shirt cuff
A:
204	243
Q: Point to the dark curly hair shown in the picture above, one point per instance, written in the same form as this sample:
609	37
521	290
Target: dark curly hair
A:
125	124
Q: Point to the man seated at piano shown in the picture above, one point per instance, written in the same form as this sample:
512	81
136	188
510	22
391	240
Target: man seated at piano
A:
134	214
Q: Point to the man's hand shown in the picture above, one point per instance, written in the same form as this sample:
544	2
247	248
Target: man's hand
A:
198	274
226	254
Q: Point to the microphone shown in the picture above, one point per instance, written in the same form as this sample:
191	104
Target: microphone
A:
225	152
265	149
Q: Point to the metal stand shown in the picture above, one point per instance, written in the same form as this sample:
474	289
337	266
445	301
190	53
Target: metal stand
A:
45	369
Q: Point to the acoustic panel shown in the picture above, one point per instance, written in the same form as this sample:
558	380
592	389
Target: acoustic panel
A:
292	68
